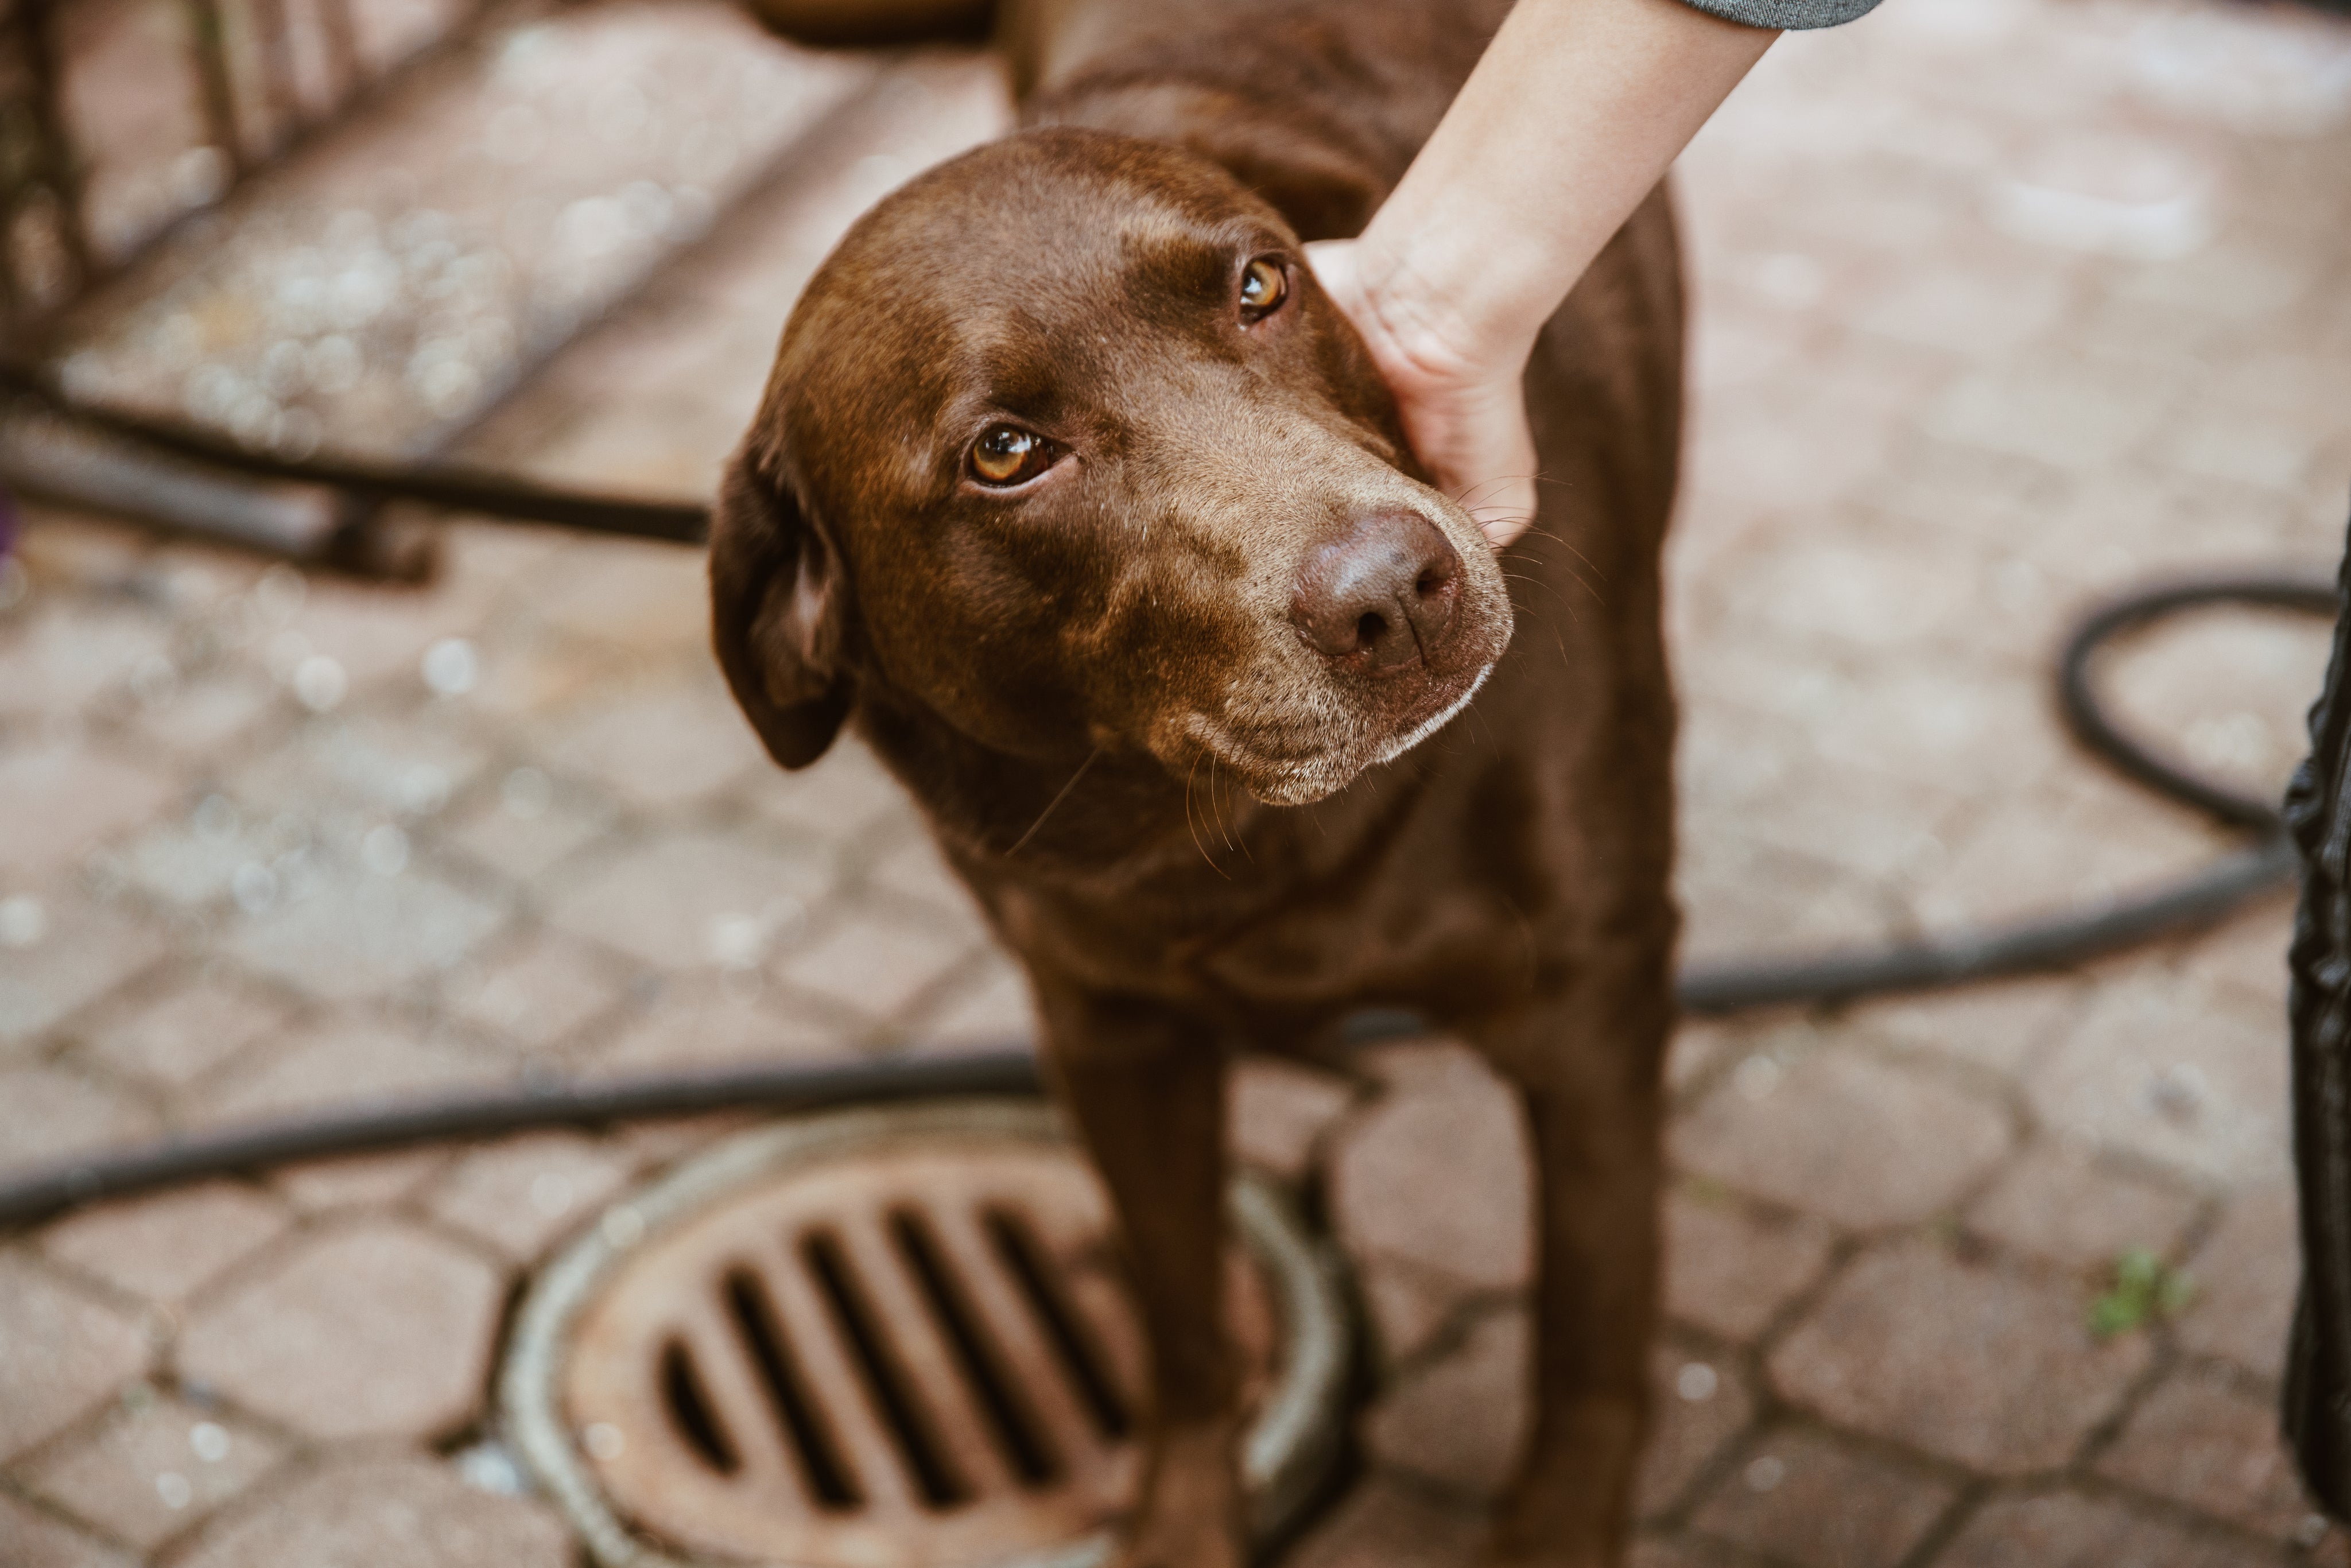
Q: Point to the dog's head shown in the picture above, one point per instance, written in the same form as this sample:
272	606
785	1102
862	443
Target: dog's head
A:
1065	444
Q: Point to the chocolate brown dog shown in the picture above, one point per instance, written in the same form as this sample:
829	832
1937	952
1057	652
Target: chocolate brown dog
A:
1076	497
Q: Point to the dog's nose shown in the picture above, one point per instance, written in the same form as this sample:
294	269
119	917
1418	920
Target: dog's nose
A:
1386	587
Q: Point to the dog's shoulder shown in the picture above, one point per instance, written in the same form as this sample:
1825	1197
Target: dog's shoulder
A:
1317	105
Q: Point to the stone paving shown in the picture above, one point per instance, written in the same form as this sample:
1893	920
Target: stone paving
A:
1999	304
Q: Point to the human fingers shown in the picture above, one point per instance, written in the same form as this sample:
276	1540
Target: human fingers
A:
1477	447
1466	422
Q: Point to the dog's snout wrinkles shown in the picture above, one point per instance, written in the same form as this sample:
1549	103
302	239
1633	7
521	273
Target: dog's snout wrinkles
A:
1383	591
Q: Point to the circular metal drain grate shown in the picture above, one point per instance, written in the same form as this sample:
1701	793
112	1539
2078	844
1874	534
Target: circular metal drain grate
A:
889	1339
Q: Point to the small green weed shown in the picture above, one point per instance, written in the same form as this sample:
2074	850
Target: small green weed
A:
2144	1292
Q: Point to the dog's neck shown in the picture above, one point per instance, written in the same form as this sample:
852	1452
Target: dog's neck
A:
1084	819
1103	866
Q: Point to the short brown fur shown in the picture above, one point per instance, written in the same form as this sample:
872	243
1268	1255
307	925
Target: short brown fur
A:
1093	686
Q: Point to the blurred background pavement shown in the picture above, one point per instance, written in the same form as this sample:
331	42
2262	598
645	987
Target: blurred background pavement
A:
1999	304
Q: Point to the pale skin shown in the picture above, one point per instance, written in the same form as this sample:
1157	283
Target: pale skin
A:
1571	117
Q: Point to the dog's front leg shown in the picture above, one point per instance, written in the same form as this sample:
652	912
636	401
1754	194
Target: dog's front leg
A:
1146	1090
1588	1065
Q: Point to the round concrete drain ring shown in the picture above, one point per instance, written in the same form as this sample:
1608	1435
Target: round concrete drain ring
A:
890	1339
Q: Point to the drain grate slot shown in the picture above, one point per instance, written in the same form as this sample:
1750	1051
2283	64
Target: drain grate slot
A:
1073	1345
829	1484
688	1404
1009	1418
909	1424
885	1340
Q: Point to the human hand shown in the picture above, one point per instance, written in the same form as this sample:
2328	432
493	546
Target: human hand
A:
1463	404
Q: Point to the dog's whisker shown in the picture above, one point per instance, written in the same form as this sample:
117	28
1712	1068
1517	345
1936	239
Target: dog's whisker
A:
1235	838
1562	541
1462	499
1217	809
1189	775
1560	599
1569	548
1574	575
1058	796
1502	479
1545	583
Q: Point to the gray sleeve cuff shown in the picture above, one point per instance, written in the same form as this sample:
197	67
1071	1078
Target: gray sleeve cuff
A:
1793	14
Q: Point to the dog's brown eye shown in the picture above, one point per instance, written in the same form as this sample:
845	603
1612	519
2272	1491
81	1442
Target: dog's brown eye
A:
1263	283
1007	454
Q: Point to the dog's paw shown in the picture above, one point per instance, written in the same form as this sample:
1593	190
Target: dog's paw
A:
1172	1542
1565	1557
1190	1513
1564	1549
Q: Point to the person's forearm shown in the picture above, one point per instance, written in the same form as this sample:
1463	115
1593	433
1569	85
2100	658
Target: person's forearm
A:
1568	120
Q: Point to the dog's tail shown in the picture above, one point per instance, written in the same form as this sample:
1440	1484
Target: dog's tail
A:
875	24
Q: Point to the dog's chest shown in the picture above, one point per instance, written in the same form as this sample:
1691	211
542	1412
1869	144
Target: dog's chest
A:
1294	957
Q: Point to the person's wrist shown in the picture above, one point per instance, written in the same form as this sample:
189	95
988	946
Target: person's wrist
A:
1430	329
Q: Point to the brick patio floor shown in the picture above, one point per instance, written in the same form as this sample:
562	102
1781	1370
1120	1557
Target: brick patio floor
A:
1999	303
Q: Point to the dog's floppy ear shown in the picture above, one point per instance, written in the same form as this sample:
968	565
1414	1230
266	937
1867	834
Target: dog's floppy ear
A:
775	612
